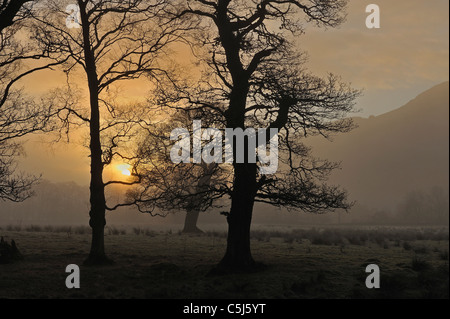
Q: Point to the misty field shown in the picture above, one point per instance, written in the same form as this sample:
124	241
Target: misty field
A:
299	263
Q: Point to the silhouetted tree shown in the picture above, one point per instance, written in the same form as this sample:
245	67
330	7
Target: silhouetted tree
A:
19	113
167	186
261	83
116	41
204	182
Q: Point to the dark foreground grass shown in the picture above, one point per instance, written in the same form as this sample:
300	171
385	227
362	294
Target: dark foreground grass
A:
173	265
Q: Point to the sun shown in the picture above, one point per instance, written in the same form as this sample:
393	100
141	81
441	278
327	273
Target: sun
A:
125	169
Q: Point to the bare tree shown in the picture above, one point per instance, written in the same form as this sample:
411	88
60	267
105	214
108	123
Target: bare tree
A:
205	181
259	81
116	41
167	186
19	113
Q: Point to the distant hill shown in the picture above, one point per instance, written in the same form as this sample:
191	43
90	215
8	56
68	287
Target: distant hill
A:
393	154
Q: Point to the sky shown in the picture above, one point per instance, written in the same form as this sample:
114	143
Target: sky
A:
406	56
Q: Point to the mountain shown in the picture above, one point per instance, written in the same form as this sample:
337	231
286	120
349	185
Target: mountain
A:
391	155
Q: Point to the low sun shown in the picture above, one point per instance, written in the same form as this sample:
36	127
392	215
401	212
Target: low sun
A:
126	172
125	169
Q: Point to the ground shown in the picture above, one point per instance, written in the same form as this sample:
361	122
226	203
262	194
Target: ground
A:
300	263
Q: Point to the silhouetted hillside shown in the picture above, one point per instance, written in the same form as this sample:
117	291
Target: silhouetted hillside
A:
395	166
389	156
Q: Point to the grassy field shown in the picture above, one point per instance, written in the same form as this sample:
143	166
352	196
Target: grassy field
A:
301	263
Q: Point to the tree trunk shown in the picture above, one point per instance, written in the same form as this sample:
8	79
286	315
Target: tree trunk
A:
97	220
190	222
238	255
192	214
97	187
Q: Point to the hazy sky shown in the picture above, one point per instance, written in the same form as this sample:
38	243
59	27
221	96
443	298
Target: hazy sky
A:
406	56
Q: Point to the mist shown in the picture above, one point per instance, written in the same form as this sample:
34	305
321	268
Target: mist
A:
390	162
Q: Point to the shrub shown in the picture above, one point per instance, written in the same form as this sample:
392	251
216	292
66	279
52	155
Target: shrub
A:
150	233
